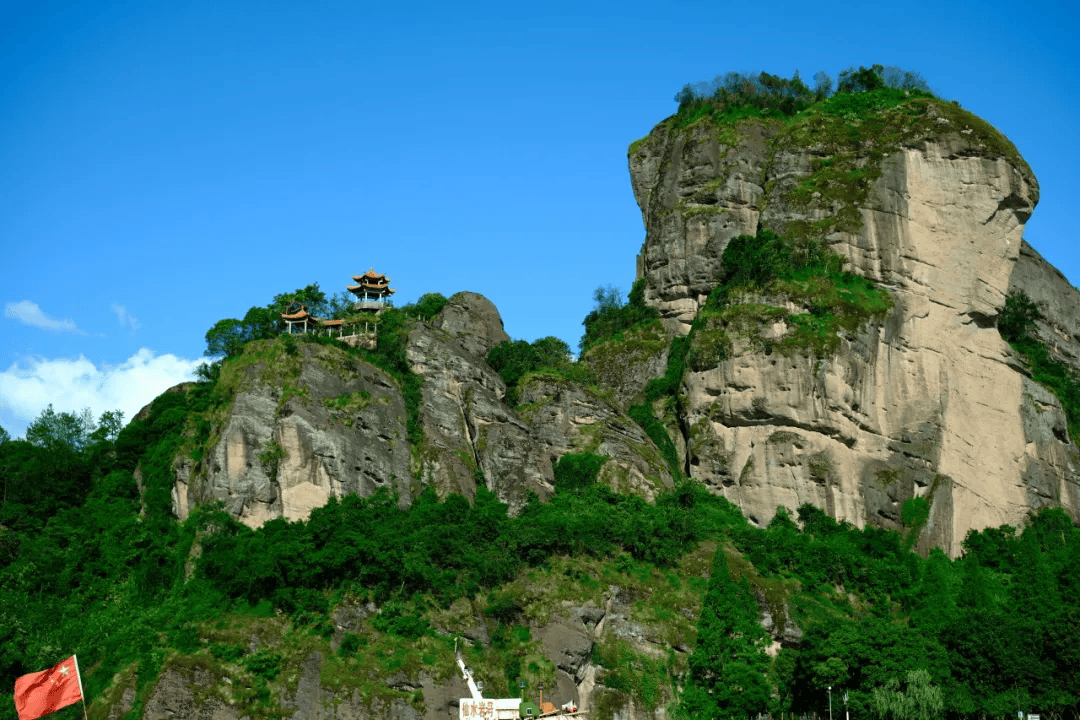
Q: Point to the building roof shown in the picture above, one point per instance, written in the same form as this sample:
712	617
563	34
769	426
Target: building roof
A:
300	314
371	282
371	275
362	287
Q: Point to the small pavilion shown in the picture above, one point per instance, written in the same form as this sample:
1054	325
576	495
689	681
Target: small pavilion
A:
297	315
373	292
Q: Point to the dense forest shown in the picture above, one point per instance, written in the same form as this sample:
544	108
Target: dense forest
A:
93	561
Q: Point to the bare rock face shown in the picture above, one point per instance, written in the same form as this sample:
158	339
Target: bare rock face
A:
1058	301
474	321
626	367
468	429
302	429
178	695
567	418
930	402
309	422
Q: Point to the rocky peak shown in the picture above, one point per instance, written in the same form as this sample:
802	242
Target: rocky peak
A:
474	321
928	201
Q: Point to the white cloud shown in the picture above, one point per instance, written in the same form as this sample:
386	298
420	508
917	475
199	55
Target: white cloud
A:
125	318
71	385
28	313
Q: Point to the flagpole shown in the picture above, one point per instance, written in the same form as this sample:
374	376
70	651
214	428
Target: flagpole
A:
82	695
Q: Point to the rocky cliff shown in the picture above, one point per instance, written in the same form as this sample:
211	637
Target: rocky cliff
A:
927	201
926	400
306	422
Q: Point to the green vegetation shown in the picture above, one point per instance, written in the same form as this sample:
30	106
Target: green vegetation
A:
100	570
95	563
611	315
728	666
1017	325
515	359
874	113
737	96
769	268
574	471
227	337
235	343
756	268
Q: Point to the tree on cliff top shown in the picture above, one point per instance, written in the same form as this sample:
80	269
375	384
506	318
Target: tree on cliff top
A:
611	315
227	337
789	96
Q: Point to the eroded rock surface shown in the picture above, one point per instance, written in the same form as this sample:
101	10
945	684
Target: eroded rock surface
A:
567	418
335	427
1058	301
929	401
469	432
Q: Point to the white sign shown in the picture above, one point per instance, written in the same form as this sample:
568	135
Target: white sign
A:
1033	717
484	709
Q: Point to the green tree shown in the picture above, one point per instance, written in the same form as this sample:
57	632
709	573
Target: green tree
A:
512	359
109	426
1018	317
226	338
754	259
4	436
340	305
551	352
936	606
577	470
861	80
611	315
823	85
728	667
75	430
918	699
311	297
427	306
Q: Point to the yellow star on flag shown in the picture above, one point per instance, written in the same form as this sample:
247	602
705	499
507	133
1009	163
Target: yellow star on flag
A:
63	670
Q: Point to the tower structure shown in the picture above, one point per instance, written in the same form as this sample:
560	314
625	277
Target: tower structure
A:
372	291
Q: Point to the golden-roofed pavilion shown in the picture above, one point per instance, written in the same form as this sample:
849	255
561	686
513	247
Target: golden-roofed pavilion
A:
297	315
372	291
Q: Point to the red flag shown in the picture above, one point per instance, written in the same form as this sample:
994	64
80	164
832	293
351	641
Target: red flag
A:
43	692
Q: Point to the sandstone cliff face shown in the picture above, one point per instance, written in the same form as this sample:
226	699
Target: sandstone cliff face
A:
467	427
931	402
568	418
1058	301
335	426
310	422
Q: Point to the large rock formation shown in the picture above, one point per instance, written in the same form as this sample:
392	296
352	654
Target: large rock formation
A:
302	428
309	422
469	431
930	402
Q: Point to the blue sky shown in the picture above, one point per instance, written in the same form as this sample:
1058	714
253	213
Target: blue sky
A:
165	165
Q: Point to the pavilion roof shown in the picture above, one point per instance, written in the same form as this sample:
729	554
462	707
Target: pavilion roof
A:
300	313
362	286
371	275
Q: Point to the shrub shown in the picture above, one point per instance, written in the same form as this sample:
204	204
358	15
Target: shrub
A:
513	359
574	471
610	315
